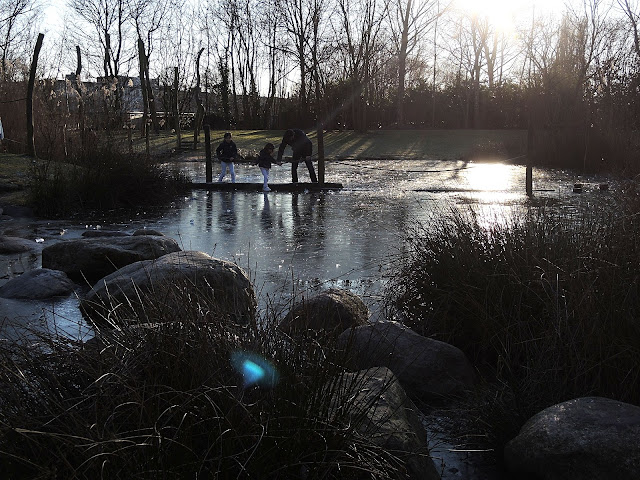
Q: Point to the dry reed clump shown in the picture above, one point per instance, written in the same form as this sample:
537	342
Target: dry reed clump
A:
165	401
108	178
546	306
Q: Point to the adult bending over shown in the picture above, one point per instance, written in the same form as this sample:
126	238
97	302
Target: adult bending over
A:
302	150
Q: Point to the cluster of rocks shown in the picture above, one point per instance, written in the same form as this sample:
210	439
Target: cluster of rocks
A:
580	439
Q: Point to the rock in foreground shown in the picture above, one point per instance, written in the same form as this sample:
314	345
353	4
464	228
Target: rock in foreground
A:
331	312
429	368
384	413
591	438
165	288
38	284
93	258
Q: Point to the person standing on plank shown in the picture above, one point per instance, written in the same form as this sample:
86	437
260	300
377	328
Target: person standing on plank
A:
302	150
227	153
265	157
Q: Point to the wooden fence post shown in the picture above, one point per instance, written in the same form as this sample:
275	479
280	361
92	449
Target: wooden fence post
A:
530	146
207	149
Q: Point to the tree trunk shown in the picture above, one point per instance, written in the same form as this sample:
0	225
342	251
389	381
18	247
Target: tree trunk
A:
153	109
107	57
80	88
223	67
199	107
402	65
31	147
304	107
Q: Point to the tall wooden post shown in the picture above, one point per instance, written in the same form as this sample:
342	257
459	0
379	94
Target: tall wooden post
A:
321	166
143	88
199	106
529	174
207	149
31	146
175	106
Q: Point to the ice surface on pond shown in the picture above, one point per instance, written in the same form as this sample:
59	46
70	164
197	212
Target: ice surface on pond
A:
295	243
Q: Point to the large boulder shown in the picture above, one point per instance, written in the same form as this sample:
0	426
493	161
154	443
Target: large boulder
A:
330	312
9	245
163	289
93	258
590	438
381	411
429	368
38	284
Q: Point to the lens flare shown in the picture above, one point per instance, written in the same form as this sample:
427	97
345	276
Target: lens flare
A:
255	370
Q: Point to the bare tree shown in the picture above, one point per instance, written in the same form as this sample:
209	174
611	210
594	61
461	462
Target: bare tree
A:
466	45
410	20
108	20
16	17
246	56
631	9
565	63
148	19
298	15
360	23
272	25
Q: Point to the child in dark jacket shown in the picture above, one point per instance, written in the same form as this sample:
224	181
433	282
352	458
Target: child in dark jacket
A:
265	157
227	153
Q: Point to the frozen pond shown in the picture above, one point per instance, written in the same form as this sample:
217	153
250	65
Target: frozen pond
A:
293	244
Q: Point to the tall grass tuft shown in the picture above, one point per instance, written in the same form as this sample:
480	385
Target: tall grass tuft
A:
545	305
164	401
107	179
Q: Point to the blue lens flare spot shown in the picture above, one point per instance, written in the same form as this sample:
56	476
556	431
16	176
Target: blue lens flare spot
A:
252	372
255	370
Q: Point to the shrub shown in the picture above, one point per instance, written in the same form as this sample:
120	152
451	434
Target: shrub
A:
107	179
546	305
164	401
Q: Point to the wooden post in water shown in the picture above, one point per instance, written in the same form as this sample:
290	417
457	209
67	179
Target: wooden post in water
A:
207	149
529	174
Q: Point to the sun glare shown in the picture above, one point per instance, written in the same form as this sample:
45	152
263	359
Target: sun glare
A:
489	176
500	13
504	15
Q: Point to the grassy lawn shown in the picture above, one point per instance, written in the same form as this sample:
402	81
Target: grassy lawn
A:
15	174
377	144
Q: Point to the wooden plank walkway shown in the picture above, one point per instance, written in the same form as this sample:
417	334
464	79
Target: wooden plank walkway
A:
275	187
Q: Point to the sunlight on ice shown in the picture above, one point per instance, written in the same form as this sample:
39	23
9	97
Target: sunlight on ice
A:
490	176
